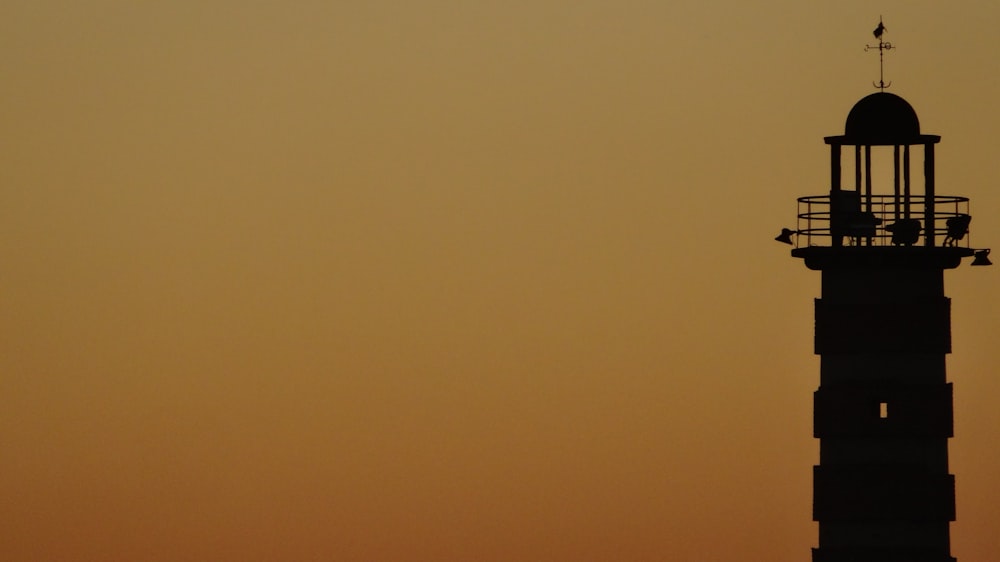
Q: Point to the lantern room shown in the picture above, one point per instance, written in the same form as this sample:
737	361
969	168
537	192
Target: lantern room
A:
876	198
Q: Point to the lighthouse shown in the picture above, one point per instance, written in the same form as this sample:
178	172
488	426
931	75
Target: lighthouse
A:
882	239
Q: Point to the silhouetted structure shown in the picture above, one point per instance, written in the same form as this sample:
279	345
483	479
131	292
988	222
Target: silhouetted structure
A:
882	491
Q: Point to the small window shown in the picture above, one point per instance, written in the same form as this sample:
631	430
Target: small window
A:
883	410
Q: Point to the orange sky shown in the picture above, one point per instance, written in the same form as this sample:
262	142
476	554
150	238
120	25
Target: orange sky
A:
448	281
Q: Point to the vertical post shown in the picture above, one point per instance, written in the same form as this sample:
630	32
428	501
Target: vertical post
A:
868	178
895	179
857	168
868	185
929	192
906	180
835	239
834	167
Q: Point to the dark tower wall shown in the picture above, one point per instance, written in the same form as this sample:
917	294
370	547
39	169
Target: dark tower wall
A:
883	414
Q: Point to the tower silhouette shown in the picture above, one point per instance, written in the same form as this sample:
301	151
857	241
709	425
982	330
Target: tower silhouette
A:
882	491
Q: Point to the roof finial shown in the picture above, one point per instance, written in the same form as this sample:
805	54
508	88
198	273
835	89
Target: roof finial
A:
882	47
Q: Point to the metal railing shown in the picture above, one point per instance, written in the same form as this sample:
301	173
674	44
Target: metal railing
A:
881	220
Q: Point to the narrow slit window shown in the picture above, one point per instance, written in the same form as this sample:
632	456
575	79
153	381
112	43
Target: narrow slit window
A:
883	410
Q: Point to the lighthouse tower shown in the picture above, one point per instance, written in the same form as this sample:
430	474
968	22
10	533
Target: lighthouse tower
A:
882	239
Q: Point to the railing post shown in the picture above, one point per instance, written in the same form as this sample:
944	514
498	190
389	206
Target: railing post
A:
929	190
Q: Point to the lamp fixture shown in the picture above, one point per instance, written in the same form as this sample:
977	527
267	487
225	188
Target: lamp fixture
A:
786	236
982	257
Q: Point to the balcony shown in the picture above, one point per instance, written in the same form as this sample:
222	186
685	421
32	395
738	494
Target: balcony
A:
848	219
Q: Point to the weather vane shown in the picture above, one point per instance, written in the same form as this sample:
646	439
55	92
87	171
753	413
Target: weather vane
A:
882	47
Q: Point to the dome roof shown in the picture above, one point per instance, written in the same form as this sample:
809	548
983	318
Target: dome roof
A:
883	119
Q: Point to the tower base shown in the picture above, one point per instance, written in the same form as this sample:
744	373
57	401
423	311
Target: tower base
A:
880	555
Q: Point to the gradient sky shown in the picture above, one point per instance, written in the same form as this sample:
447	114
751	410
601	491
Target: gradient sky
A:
448	281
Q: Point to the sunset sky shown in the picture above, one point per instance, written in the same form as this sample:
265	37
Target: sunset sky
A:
445	281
